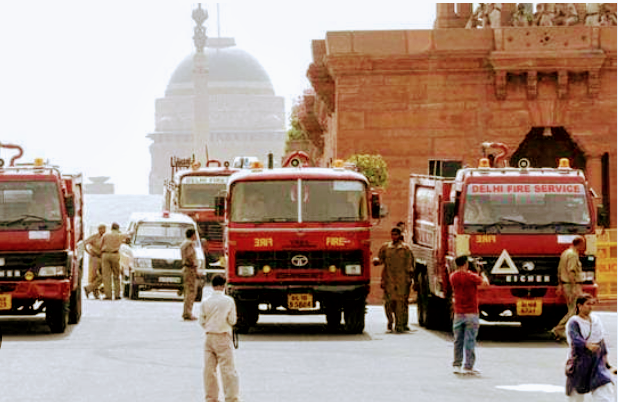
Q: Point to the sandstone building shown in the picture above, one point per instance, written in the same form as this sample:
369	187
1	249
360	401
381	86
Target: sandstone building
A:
545	91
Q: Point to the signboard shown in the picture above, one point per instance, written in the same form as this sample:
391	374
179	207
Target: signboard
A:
204	180
512	188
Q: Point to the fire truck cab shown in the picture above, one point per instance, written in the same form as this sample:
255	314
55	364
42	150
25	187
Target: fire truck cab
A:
41	235
192	191
514	223
298	242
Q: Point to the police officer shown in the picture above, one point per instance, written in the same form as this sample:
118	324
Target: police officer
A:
189	266
110	260
93	248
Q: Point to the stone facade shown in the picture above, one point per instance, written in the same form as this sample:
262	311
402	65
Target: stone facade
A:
245	116
438	94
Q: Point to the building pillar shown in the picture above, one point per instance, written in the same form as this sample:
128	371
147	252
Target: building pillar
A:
445	12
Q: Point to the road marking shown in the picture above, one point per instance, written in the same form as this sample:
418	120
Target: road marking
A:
547	388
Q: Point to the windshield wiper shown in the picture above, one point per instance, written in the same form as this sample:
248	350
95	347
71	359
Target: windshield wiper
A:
556	223
25	218
501	223
344	219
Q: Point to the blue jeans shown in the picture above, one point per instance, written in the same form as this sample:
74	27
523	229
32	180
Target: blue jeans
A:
465	329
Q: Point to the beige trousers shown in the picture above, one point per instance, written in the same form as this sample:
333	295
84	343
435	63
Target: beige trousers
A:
219	350
94	273
570	293
111	272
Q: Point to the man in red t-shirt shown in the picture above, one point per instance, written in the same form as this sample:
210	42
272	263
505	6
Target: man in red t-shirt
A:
466	319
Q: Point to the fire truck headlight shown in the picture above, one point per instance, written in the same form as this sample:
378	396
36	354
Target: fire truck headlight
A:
143	263
589	276
354	269
266	269
246	270
332	269
51	271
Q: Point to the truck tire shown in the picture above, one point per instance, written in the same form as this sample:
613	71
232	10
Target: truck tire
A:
75	304
56	315
354	317
333	317
431	310
247	315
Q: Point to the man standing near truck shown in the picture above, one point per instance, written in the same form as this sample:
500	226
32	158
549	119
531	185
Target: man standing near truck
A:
189	267
110	260
396	256
569	276
95	274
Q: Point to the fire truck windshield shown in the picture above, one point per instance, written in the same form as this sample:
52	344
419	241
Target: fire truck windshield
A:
29	204
200	191
277	201
526	208
157	234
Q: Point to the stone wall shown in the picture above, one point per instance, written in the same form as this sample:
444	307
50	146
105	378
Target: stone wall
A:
418	95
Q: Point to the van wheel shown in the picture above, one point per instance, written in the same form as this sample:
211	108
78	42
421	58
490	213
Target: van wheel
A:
133	289
57	315
198	294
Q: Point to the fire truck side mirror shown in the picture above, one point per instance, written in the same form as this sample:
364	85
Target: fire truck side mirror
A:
375	206
219	205
602	217
69	205
448	213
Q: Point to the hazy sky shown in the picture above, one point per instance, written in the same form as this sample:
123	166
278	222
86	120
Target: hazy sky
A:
79	80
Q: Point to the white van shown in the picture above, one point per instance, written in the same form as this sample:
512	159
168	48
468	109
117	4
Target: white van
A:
151	258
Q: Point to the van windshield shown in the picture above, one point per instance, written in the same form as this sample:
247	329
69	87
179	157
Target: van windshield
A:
161	234
28	205
200	191
278	201
526	208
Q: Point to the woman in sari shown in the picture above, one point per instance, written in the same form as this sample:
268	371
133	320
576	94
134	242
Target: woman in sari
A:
587	369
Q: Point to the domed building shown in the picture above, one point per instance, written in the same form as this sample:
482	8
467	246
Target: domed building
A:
245	116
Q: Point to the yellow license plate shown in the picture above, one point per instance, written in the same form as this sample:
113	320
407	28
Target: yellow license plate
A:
5	301
300	300
529	306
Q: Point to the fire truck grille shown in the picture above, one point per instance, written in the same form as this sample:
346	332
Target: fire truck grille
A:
165	264
279	260
13	267
211	231
535	271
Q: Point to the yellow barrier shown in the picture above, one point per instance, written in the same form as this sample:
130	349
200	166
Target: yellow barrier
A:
606	263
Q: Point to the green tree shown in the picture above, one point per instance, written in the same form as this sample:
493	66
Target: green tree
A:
295	132
373	167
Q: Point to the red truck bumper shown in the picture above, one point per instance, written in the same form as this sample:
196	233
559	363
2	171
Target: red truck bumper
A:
509	295
50	289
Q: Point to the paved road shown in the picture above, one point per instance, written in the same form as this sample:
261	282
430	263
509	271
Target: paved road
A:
142	351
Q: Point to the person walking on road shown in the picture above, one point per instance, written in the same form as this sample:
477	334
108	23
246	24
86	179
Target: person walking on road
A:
217	317
189	267
397	274
466	319
587	369
569	276
95	276
110	260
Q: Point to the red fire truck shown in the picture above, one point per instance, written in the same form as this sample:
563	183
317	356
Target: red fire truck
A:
514	223
41	234
298	242
192	191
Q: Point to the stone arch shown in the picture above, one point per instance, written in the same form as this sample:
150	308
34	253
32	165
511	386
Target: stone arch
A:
544	146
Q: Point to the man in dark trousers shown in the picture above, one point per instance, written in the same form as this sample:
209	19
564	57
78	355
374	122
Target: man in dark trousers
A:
217	317
466	318
396	256
189	266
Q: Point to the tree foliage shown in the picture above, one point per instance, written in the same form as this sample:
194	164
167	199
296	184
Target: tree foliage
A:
295	132
373	167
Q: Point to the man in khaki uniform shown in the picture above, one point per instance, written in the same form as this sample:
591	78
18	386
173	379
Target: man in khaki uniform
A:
110	246
217	317
93	248
397	258
189	267
570	278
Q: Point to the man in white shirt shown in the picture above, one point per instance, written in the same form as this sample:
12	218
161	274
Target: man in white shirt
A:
217	317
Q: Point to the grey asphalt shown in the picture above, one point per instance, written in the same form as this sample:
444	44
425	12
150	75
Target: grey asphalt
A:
142	351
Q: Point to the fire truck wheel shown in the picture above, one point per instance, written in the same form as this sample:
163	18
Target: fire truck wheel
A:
75	306
247	316
432	312
198	295
333	317
133	289
57	315
354	317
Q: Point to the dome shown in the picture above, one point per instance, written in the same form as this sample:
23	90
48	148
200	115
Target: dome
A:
228	67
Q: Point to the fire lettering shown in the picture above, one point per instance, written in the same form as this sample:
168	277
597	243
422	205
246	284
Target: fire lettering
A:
263	242
485	239
336	241
558	188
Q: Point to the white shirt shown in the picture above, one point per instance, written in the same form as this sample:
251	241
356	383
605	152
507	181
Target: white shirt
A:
218	313
593	330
